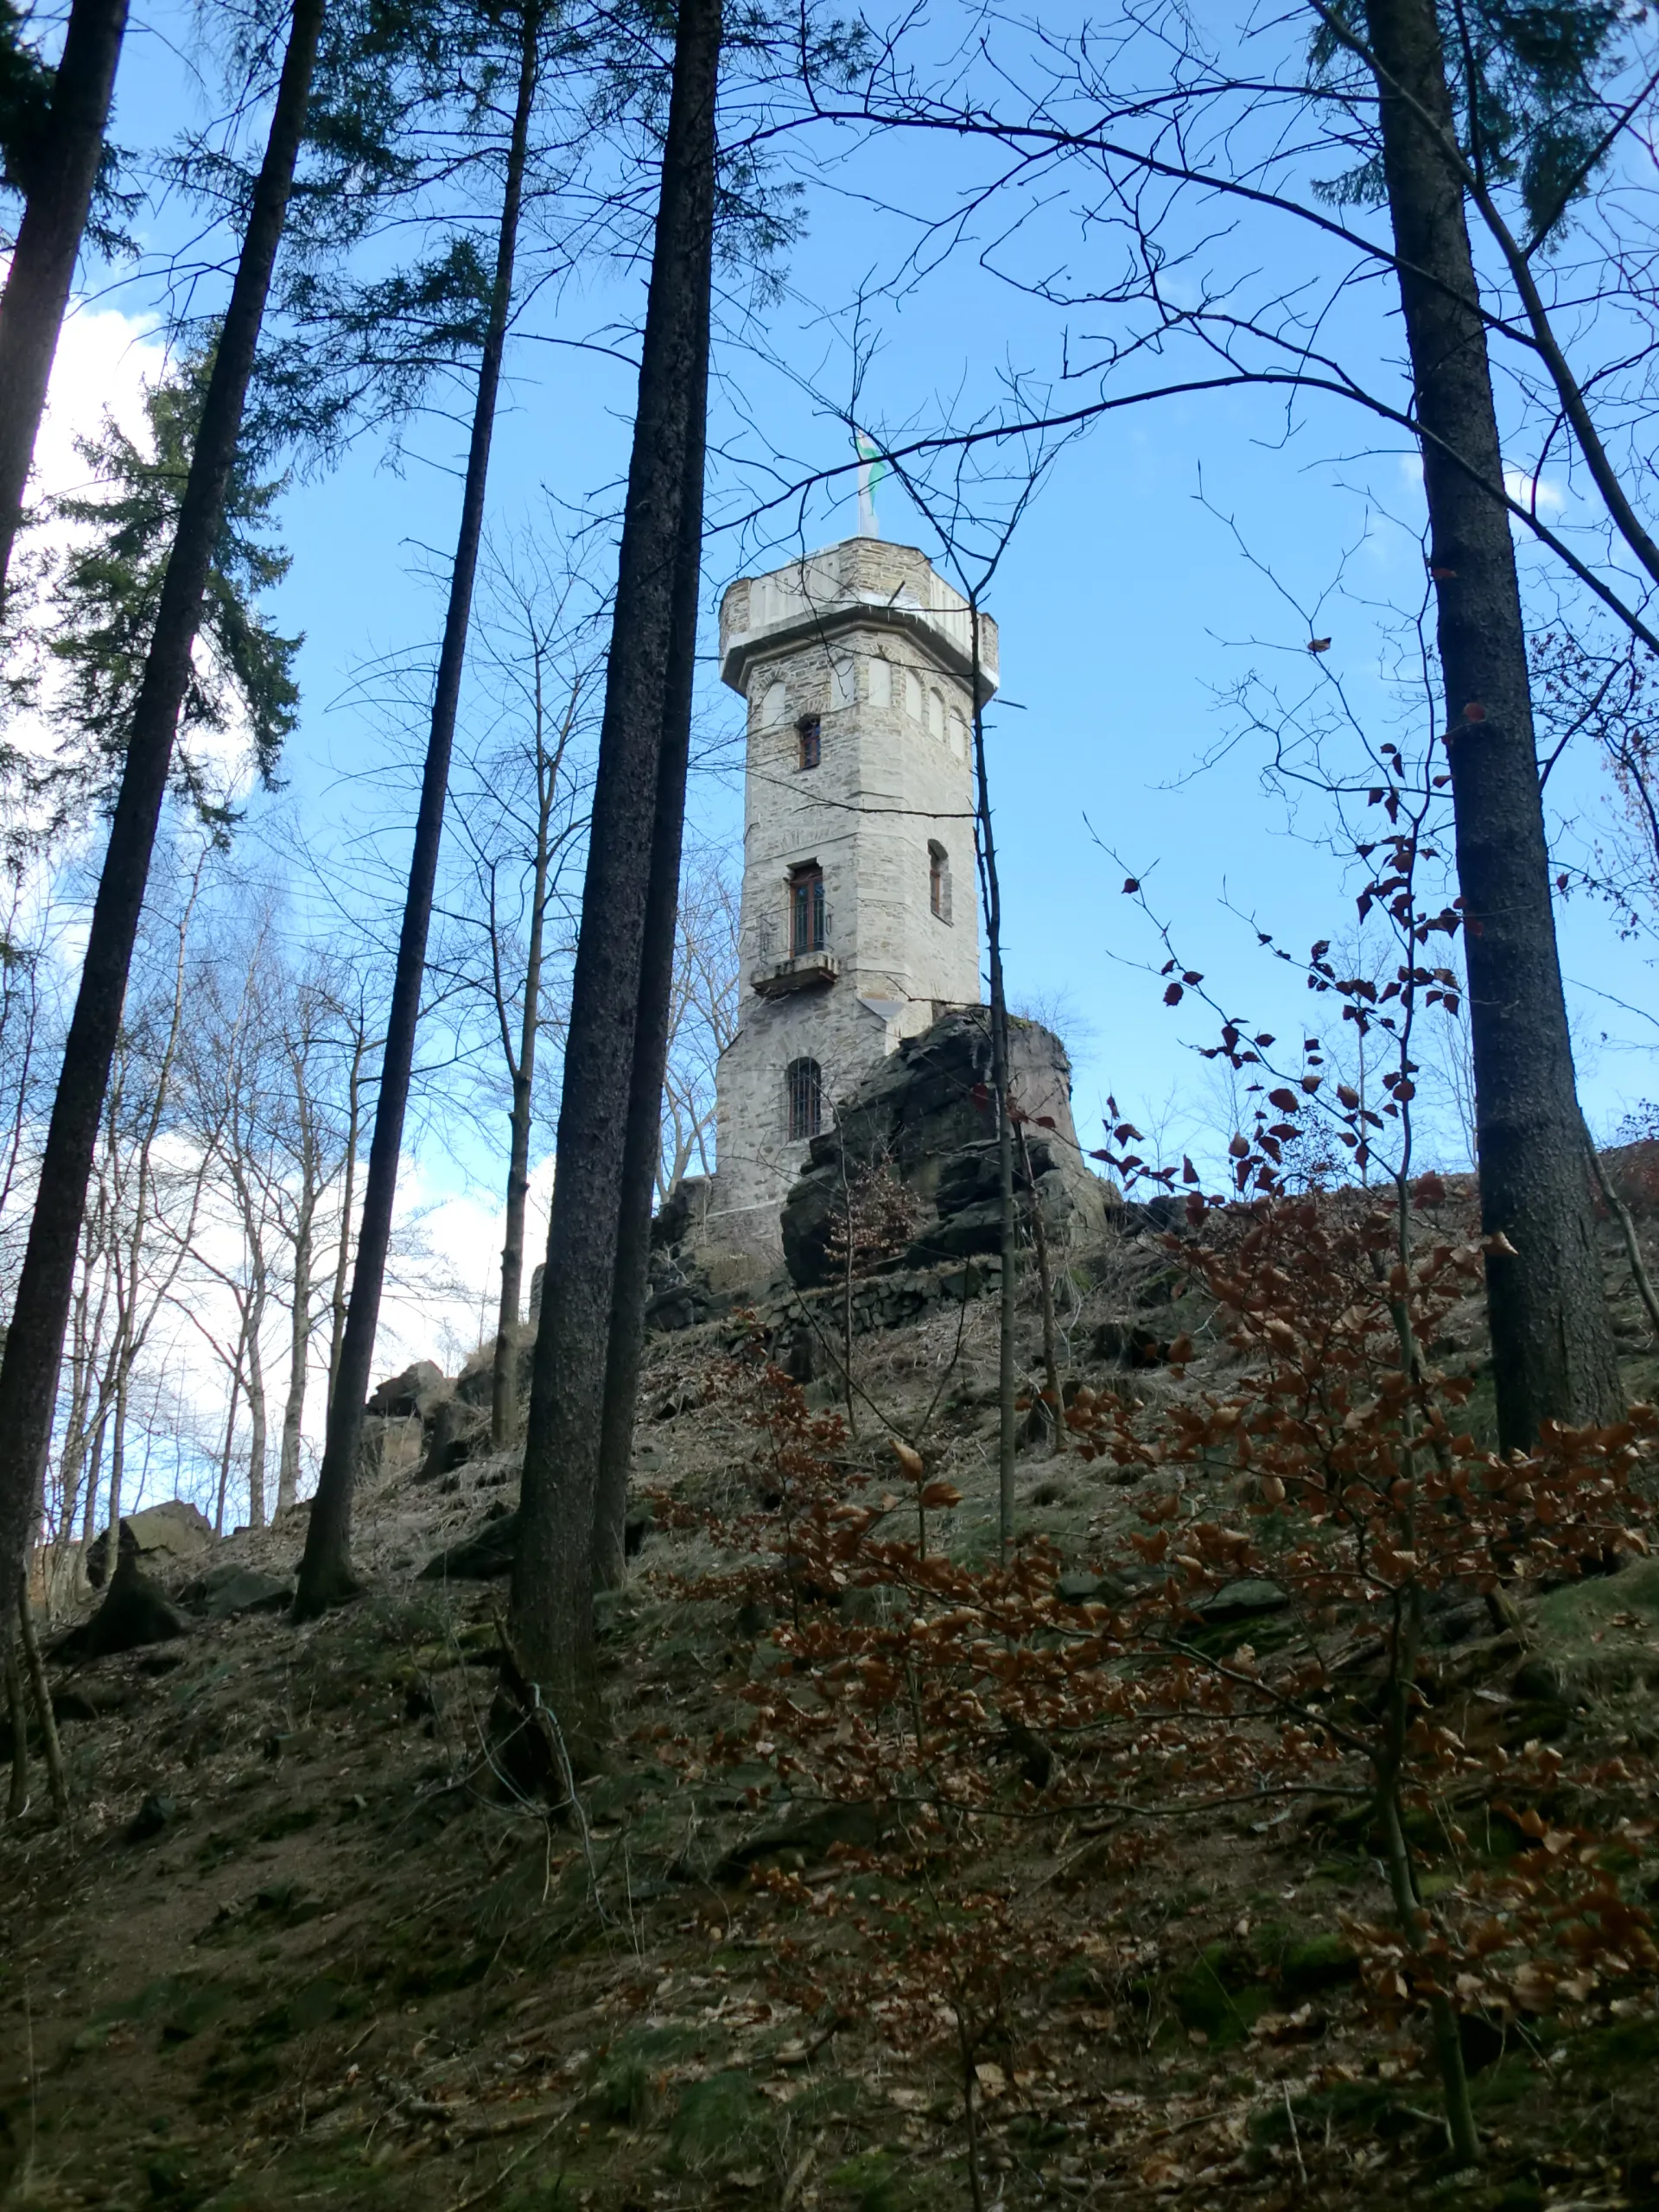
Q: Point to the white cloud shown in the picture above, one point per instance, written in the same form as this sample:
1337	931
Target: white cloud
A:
1537	492
104	360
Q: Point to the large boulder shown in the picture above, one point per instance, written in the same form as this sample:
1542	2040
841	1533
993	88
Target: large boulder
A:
927	1117
412	1392
162	1536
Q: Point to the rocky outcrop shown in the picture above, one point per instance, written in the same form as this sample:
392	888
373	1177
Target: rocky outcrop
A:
926	1117
161	1535
415	1391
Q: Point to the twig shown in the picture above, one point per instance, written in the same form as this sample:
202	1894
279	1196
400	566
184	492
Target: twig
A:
43	1693
1621	1213
1295	2140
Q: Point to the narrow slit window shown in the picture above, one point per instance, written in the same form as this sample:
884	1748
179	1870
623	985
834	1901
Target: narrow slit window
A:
805	1082
806	912
810	730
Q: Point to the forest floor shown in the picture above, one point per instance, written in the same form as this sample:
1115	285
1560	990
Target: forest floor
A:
301	1946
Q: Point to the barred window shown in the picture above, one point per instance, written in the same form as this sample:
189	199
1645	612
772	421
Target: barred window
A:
805	1080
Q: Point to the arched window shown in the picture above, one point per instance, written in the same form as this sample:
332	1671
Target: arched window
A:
880	682
958	735
938	880
804	1083
912	695
935	714
774	704
844	682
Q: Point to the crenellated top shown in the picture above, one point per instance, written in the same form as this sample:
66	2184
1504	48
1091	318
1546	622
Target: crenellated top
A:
861	583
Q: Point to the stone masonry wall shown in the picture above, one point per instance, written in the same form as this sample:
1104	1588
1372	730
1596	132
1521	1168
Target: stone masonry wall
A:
894	777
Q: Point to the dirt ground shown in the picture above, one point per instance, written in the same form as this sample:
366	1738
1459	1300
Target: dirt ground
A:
302	1945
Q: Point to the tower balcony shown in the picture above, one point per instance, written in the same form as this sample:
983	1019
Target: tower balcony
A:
803	971
863	583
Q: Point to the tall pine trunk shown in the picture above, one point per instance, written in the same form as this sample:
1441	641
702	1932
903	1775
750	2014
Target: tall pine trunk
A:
48	243
645	1138
1552	1354
583	1297
29	1371
326	1576
337	1303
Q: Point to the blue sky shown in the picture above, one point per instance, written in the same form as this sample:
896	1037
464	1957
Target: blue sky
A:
1173	552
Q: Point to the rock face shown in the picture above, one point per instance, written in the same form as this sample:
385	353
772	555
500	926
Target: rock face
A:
926	1117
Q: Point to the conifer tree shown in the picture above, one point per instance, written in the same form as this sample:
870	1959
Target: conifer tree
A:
326	1575
612	1062
29	1368
105	601
53	145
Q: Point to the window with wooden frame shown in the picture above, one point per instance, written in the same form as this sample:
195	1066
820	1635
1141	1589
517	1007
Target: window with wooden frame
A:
810	731
938	880
803	1081
806	909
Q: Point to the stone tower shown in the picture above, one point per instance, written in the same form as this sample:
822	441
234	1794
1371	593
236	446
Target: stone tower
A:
859	916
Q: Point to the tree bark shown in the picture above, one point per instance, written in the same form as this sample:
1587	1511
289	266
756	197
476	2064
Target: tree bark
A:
48	244
653	1026
1553	1356
299	1332
17	1796
28	1371
326	1576
552	1610
255	1386
337	1304
985	845
230	1446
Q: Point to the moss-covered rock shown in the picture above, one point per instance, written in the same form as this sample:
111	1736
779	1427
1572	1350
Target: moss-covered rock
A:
1220	1995
1321	1962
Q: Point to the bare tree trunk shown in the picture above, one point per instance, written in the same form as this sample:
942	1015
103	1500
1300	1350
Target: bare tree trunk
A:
89	1524
299	1355
326	1575
230	1446
1553	1356
551	1613
504	1391
986	842
255	1386
118	1470
343	1256
59	196
17	1713
645	1138
1045	1282
29	1371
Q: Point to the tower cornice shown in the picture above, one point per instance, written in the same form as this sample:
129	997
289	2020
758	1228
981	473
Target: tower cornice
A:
862	583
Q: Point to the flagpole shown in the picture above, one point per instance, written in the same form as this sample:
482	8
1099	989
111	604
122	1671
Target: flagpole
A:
867	525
